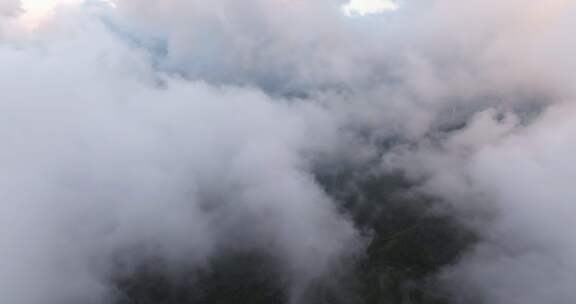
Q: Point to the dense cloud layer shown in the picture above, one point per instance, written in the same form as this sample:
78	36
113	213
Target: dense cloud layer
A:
104	157
9	8
178	130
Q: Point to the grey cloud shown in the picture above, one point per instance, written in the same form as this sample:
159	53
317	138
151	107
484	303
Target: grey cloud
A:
178	129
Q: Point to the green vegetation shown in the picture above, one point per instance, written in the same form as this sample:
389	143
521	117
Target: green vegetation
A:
407	244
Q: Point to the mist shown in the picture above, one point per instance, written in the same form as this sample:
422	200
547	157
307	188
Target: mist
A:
168	136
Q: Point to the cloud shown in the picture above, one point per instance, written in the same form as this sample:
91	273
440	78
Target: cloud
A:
9	7
366	7
178	130
528	255
103	156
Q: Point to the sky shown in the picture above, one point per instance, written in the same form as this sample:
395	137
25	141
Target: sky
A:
36	11
365	7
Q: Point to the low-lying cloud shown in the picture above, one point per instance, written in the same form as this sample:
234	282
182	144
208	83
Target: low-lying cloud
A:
178	130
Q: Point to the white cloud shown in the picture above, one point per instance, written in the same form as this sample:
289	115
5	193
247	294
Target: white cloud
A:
180	126
366	7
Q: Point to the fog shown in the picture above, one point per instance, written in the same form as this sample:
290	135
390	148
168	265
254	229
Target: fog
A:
177	131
